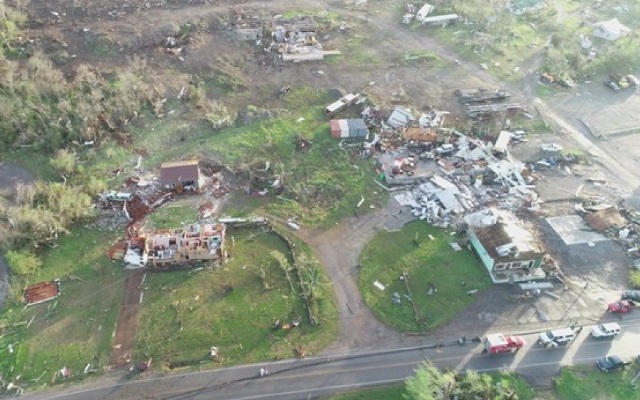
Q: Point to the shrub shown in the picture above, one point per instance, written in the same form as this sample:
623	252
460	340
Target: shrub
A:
634	279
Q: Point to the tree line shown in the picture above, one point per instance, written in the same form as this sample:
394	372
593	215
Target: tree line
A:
429	383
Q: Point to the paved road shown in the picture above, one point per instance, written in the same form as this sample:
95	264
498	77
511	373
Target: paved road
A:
303	379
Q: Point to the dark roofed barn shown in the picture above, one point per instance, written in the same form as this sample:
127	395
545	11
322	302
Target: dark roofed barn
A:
185	173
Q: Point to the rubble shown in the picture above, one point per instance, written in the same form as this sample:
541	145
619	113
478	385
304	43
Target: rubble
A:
481	96
295	39
485	111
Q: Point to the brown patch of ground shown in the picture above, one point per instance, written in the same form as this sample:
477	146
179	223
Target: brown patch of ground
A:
122	345
10	176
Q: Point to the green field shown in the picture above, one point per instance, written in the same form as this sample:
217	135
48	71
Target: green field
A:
586	382
452	273
73	330
233	308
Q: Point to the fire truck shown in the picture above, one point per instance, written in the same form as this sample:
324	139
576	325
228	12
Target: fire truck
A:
498	343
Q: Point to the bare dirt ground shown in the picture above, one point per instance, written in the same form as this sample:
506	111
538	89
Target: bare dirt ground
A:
127	320
138	28
10	176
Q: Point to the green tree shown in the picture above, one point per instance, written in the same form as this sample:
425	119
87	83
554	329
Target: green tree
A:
634	278
429	383
23	263
95	186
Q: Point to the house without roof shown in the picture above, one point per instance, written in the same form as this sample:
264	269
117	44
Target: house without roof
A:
509	251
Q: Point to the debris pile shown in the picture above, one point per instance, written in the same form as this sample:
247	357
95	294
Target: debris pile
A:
295	39
619	224
466	176
482	104
478	96
487	111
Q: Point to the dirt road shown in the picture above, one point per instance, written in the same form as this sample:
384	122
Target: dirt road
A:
127	324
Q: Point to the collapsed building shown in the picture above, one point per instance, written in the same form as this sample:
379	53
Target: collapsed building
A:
296	39
506	248
159	248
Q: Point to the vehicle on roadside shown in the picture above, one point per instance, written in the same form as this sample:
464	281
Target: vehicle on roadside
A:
609	329
612	363
557	337
498	343
631	295
519	135
621	306
551	148
612	85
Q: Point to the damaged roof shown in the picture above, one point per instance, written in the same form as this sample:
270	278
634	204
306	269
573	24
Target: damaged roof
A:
41	292
179	171
508	239
605	219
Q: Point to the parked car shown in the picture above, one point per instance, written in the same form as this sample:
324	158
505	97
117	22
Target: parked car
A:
631	295
556	337
610	329
551	148
612	85
621	306
519	135
612	363
445	149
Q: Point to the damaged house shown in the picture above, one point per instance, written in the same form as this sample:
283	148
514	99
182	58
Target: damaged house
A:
348	129
509	252
196	242
181	175
295	39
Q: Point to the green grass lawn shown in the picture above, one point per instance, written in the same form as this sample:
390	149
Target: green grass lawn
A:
173	215
73	330
392	392
390	254
586	382
322	184
232	308
396	392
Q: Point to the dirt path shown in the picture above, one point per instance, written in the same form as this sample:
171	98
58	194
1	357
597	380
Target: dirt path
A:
127	324
339	249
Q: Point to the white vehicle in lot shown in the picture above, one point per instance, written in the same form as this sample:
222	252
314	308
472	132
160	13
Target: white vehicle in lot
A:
556	337
551	148
112	195
610	329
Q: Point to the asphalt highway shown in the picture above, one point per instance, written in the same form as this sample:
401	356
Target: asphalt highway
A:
315	376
